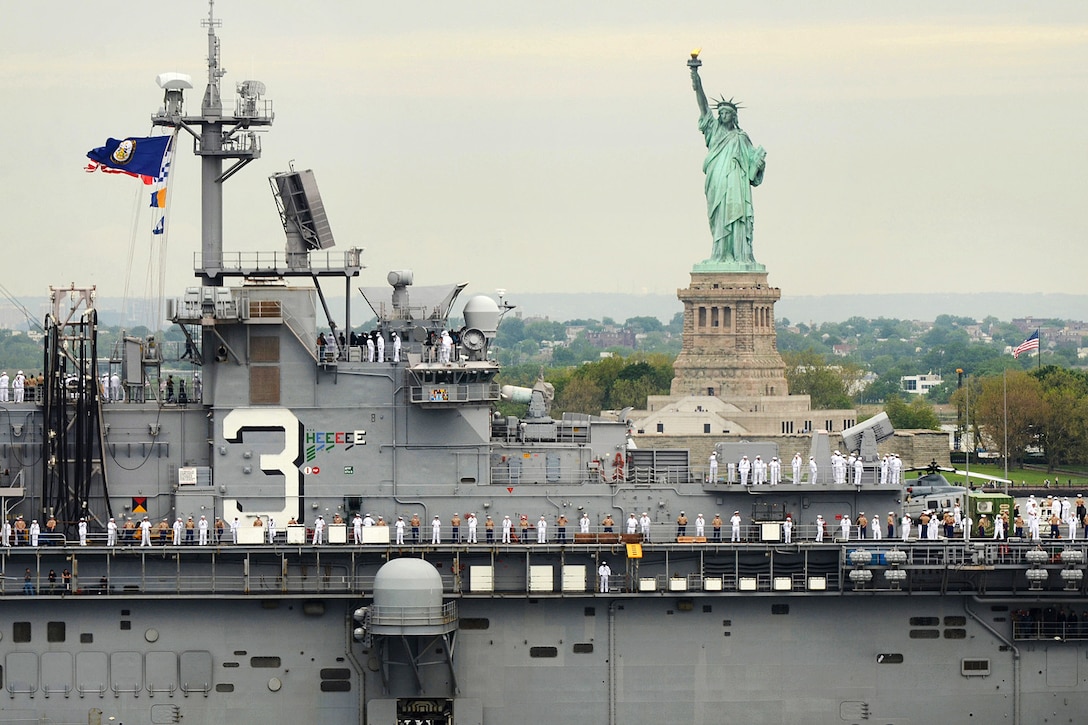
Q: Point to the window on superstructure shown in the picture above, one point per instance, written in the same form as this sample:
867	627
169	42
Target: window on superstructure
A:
975	668
583	648
474	623
889	658
925	634
20	631
54	632
543	652
924	621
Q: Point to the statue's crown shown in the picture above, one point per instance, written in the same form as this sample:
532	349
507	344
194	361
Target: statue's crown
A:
735	105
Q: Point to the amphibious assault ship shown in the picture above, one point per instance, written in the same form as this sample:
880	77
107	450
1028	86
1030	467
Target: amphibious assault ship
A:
260	624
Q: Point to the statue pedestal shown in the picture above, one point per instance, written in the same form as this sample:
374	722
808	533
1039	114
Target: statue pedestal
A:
729	344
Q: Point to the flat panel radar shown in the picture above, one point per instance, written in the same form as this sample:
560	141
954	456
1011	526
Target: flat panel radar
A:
301	211
880	426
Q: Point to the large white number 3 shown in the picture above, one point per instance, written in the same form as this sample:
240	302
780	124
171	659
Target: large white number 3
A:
286	462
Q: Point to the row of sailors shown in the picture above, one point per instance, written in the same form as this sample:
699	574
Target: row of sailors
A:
332	347
931	525
760	471
13	389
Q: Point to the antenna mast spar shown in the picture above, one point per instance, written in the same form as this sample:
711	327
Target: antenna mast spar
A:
217	137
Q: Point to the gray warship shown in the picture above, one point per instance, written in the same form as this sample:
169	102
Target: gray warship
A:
435	611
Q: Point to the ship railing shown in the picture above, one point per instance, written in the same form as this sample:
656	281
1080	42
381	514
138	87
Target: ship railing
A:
454	393
413	616
1030	629
275	262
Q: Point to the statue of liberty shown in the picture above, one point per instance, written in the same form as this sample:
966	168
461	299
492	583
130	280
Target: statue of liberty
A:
732	166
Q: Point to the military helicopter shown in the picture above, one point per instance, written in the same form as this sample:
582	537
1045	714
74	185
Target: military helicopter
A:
932	492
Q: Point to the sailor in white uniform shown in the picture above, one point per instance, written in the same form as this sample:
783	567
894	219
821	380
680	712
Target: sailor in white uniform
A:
819	528
472	524
743	468
35	532
759	471
369	348
380	347
396	347
357	528
145	532
436	530
399	526
603	572
17	386
632	524
319	531
644	523
905	526
542	530
787	530
583	523
445	347
859	470
202	530
82	532
271	530
4	382
884	470
844	525
177	527
508	526
797	467
812	469
896	465
236	525
111	533
713	467
774	470
700	525
735	521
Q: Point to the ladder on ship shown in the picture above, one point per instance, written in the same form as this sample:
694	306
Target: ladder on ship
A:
74	472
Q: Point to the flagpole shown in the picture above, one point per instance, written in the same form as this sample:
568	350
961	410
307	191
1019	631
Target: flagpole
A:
1005	383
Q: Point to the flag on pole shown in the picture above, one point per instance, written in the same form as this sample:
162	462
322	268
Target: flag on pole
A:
144	158
1032	343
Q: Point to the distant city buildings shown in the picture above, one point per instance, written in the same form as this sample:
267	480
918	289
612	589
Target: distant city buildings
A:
919	384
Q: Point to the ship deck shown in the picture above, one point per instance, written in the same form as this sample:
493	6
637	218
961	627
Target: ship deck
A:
839	568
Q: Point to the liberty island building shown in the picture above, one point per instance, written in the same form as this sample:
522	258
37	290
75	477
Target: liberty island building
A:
729	379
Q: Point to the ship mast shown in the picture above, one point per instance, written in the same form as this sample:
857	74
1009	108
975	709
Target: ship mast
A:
218	137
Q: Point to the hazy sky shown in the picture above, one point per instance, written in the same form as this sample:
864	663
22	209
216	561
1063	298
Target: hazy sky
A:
553	146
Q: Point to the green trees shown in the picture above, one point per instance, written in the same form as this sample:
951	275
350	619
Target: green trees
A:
612	384
917	414
1045	410
827	385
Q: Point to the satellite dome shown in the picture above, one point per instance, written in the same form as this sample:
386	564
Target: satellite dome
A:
482	313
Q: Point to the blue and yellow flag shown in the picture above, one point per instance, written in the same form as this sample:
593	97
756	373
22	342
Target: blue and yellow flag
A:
145	158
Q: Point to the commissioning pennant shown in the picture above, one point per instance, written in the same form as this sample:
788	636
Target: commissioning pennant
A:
1032	343
144	158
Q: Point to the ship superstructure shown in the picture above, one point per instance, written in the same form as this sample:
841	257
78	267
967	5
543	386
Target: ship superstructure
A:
346	531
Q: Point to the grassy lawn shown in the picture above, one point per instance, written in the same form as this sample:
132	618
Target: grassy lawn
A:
1023	476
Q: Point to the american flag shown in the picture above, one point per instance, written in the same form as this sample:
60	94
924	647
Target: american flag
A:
1032	343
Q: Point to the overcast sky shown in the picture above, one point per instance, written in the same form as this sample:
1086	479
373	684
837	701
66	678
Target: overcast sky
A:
553	146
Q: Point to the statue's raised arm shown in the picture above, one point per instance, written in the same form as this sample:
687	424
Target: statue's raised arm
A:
732	167
697	85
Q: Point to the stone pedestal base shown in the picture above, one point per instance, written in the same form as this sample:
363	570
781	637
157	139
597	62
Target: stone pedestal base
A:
729	342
